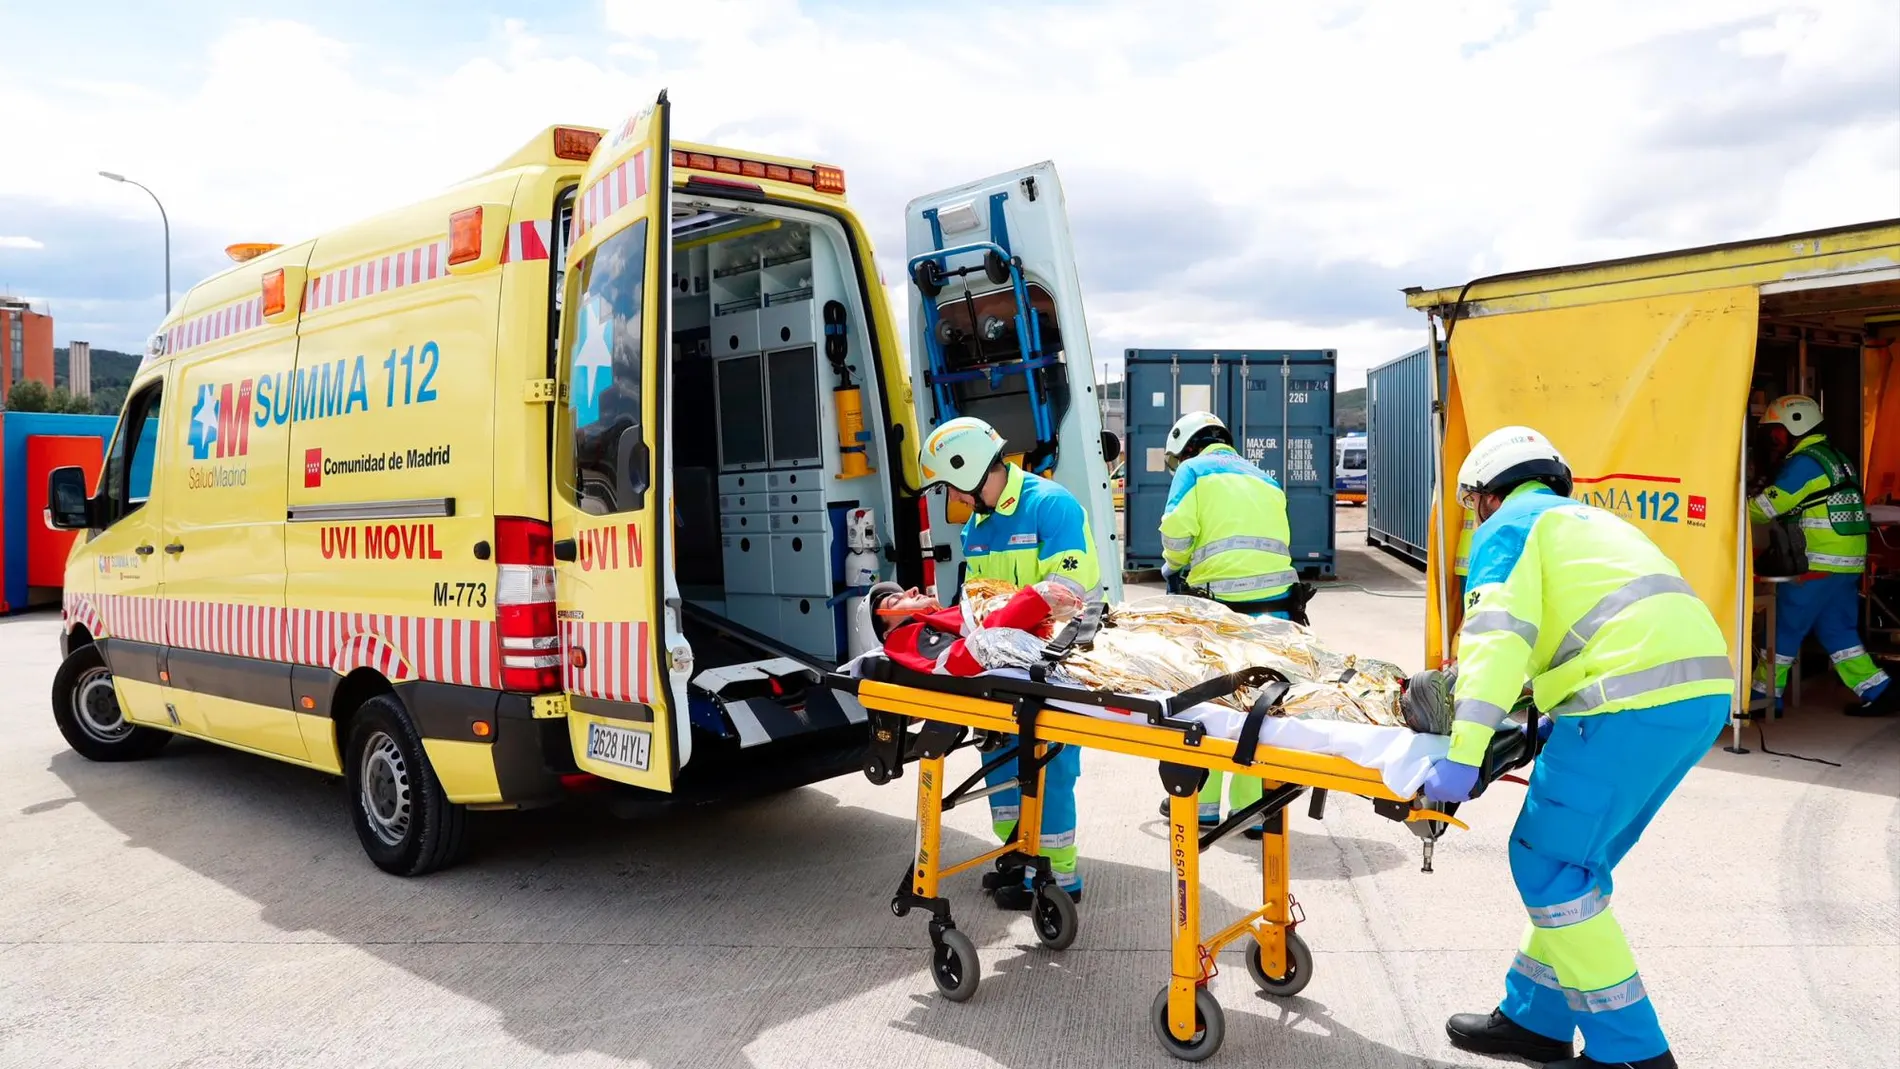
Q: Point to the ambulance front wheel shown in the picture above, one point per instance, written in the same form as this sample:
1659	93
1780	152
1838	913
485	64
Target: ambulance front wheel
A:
1299	968
1055	917
953	966
407	824
1210	1027
86	710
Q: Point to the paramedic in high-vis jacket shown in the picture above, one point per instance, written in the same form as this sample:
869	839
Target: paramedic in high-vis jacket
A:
1023	529
1224	531
1814	481
1635	671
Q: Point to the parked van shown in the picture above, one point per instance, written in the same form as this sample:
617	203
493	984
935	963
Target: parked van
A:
482	499
1349	469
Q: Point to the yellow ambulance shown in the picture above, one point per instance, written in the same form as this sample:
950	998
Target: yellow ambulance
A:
575	472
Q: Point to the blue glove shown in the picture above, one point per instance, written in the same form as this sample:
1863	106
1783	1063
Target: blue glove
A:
1450	781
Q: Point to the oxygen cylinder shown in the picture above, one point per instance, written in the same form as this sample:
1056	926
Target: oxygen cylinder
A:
860	571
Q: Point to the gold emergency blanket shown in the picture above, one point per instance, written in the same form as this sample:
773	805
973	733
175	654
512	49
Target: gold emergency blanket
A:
1172	642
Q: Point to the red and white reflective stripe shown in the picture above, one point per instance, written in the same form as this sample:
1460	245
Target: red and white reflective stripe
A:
424	263
612	191
617	656
527	241
455	651
215	325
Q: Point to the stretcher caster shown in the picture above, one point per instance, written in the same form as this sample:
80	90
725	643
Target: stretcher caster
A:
929	277
1299	968
1055	917
1210	1027
953	966
995	268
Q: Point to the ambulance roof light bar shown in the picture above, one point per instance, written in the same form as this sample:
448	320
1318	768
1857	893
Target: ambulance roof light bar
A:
821	177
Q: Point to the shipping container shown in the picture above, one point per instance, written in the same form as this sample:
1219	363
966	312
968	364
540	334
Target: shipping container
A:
1403	438
1279	405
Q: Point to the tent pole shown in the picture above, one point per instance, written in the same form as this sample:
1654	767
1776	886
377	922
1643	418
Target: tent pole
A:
1440	529
1744	602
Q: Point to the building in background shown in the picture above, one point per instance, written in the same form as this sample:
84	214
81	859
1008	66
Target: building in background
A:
26	345
79	369
1114	414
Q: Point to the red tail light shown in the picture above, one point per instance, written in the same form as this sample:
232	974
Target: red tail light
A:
524	605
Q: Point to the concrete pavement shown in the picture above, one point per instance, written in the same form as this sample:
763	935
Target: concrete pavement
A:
210	909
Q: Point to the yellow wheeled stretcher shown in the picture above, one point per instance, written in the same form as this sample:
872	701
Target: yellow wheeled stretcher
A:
923	718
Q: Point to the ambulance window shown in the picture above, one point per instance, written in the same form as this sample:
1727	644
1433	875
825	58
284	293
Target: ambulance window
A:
127	479
604	369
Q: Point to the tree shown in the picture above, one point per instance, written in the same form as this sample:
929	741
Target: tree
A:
28	396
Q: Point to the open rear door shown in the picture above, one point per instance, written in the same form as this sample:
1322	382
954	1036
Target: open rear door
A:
624	719
997	332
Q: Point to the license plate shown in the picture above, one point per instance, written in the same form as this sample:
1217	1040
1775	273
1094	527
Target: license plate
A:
618	746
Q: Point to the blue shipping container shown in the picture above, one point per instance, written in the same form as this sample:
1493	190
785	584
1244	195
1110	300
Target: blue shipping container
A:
1278	403
1403	438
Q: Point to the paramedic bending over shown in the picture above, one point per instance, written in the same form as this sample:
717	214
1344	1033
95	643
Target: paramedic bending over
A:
1023	529
1629	662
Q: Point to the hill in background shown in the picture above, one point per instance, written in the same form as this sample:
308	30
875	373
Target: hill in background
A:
112	373
1349	410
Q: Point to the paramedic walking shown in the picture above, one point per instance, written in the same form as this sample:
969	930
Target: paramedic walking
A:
1816	487
1225	531
1631	665
1022	529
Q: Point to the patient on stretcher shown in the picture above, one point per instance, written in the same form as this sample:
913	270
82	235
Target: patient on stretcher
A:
1160	645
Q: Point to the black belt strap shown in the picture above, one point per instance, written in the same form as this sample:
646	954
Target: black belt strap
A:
1221	687
1263	706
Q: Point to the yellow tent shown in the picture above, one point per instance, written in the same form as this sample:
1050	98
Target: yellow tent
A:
1644	372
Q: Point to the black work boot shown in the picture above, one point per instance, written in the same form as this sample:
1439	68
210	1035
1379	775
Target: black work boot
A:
1885	705
1665	1060
1495	1033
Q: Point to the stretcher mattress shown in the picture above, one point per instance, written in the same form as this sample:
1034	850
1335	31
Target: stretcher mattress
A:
1400	755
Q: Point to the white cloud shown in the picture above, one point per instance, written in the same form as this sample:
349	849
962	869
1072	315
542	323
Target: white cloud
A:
1445	140
15	242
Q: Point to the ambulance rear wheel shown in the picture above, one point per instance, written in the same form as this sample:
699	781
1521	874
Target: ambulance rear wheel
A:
953	966
1210	1027
1055	917
407	825
86	709
1299	968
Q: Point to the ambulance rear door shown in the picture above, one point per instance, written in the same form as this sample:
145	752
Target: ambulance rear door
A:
997	332
617	617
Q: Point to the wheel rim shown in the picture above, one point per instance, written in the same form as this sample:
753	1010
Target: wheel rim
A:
1048	918
96	707
948	966
385	792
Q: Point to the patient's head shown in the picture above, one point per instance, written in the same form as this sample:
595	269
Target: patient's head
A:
891	605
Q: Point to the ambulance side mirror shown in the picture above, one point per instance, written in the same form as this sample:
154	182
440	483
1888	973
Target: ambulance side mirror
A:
634	464
67	506
1111	448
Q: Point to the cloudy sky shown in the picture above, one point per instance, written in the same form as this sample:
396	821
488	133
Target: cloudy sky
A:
1239	173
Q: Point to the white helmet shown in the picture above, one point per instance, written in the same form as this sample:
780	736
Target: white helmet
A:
1797	413
960	453
1509	456
1187	429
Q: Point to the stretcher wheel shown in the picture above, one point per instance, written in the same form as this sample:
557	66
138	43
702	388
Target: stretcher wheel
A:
928	275
1209	1024
995	268
953	966
1055	918
1299	968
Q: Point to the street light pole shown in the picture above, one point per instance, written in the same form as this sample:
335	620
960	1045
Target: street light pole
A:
162	218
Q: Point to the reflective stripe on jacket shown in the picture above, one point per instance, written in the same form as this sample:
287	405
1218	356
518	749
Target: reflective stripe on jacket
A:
1836	526
1582	605
1037	532
1225	525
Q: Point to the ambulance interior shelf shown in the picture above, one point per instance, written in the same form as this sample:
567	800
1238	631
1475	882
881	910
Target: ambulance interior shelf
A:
759	326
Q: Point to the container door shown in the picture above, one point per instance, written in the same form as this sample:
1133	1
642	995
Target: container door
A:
611	582
997	332
1281	410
